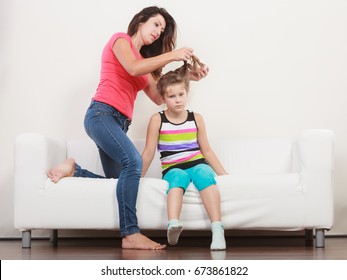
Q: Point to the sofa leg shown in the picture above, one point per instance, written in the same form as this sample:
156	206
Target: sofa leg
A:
26	239
320	238
309	237
54	237
308	234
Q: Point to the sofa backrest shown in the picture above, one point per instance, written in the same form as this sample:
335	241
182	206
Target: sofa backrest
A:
258	155
86	154
236	155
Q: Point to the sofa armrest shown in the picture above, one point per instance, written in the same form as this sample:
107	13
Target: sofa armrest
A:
316	153
34	155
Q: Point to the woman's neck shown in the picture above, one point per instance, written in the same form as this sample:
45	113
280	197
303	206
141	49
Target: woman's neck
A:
137	41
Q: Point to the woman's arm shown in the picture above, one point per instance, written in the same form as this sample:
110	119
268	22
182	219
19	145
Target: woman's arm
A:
152	139
205	147
134	67
152	92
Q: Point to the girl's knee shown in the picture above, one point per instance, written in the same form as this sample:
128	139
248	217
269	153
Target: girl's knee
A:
177	178
203	177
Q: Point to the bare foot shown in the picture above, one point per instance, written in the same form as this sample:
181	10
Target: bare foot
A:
65	169
139	241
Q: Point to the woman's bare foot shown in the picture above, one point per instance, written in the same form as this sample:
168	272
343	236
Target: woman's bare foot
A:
139	241
65	169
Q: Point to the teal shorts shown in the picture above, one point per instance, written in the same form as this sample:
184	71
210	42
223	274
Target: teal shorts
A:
202	176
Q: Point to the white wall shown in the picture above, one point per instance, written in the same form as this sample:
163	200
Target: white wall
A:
276	68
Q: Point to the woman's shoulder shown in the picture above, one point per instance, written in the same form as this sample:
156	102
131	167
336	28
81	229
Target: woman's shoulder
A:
122	35
119	35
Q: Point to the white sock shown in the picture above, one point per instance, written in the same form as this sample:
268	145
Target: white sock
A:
174	230
218	239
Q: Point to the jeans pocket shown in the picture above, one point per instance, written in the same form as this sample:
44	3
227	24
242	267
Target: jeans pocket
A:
100	108
96	111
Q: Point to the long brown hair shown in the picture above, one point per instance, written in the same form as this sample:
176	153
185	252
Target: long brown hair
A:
167	40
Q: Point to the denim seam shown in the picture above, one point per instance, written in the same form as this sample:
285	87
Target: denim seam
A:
123	230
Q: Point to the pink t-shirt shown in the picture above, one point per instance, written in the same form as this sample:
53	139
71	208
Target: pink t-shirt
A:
117	88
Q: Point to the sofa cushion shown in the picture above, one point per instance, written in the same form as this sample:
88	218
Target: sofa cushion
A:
78	203
251	201
251	186
87	203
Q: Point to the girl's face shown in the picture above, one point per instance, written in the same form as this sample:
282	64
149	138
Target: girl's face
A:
176	98
151	29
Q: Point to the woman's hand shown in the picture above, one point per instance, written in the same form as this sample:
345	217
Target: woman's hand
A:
198	73
182	54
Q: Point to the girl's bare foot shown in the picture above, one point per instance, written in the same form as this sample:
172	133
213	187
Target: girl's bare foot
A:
139	241
65	169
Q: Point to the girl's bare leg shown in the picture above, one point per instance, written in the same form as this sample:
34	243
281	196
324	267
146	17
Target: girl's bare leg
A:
64	169
211	200
174	206
174	203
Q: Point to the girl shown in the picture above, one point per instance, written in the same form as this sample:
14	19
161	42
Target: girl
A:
186	156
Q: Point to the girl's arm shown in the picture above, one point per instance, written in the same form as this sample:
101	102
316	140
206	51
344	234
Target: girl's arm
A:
205	147
151	142
134	67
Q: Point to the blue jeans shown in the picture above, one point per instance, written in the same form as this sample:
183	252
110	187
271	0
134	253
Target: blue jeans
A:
119	157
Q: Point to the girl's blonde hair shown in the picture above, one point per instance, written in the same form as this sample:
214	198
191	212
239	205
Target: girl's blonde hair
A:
179	76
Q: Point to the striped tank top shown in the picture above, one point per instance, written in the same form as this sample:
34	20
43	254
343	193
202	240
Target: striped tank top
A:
178	145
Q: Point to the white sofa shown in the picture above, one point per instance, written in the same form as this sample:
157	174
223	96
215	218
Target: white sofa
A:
273	184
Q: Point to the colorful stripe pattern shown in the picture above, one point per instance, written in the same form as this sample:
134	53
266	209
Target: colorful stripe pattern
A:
178	144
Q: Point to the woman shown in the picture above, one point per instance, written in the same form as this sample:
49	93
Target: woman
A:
131	62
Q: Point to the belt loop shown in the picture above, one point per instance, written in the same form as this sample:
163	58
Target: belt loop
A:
127	123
